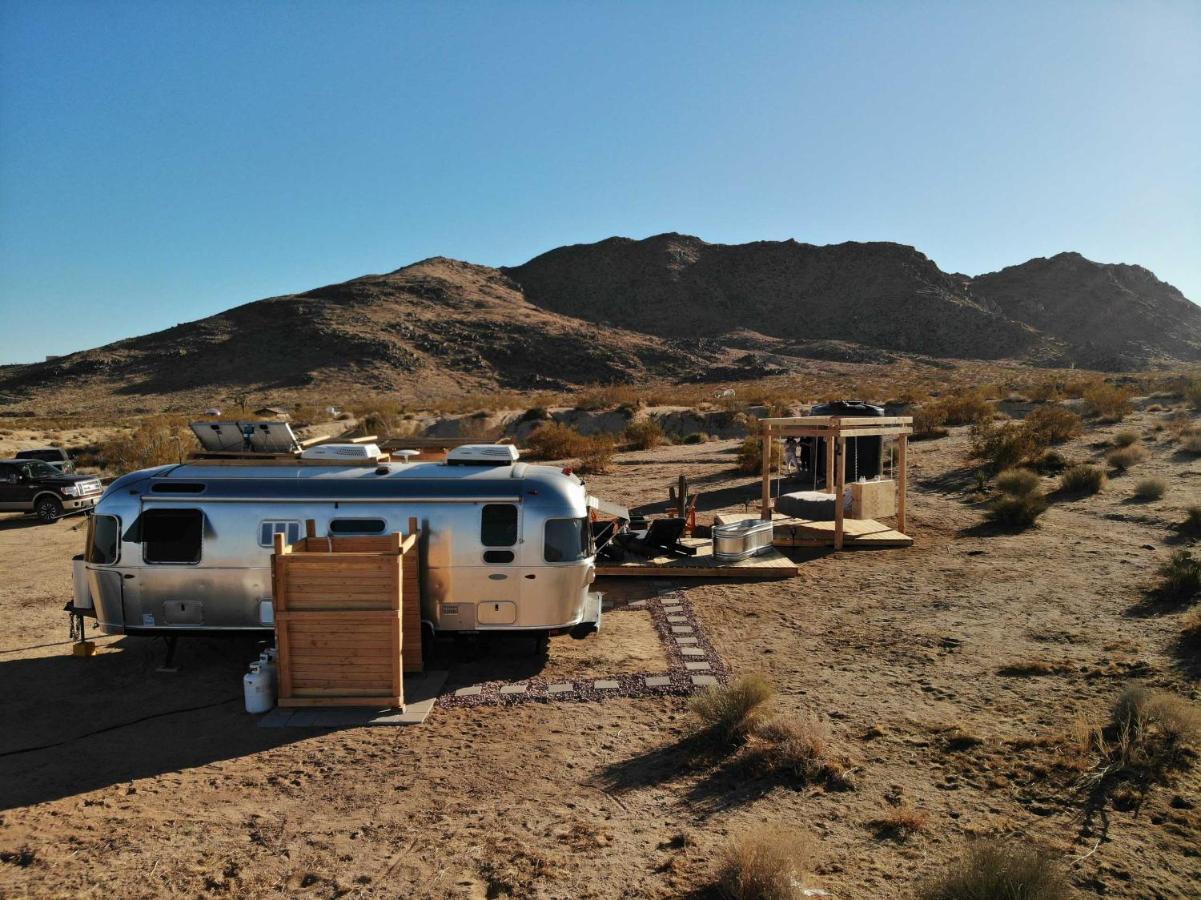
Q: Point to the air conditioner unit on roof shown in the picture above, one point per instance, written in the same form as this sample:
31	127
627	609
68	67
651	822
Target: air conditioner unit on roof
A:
349	452
482	455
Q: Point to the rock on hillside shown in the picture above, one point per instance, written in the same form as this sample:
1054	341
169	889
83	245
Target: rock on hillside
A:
884	295
1110	316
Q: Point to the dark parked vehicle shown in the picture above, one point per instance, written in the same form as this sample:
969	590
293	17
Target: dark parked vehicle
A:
30	485
56	456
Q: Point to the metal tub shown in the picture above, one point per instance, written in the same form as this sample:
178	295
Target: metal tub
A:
740	540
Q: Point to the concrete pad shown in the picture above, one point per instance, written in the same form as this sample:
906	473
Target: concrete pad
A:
697	666
561	688
606	685
658	681
421	692
681	629
277	718
692	651
514	689
701	680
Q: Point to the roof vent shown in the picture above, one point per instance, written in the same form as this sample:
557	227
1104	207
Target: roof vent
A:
482	455
349	452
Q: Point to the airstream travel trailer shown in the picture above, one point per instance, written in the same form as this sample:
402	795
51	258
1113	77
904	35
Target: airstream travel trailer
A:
506	546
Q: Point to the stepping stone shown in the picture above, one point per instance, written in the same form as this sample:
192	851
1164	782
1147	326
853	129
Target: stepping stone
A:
606	685
692	651
474	691
658	681
513	689
637	604
677	620
560	688
685	639
681	629
672	608
697	666
701	680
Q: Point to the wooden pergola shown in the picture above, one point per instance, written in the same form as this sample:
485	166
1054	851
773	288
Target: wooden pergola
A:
835	430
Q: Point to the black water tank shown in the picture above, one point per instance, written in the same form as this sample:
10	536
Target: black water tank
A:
865	455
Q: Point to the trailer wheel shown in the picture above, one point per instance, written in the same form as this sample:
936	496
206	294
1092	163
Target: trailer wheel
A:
48	510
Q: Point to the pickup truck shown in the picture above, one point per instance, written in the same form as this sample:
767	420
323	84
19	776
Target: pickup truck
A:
33	486
56	456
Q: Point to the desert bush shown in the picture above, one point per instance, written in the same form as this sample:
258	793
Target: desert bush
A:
1125	438
1149	729
1190	629
595	454
928	419
645	434
900	822
1192	393
155	441
1190	441
1180	577
991	869
1054	424
750	454
1108	402
1151	488
1125	458
1044	392
1083	479
966	409
697	437
1018	482
1050	462
1192	521
1018	512
765	863
730	711
799	748
1003	446
535	414
553	440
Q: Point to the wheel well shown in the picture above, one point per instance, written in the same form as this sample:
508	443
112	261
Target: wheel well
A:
56	497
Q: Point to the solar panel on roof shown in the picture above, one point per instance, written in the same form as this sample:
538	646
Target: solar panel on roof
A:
218	436
271	437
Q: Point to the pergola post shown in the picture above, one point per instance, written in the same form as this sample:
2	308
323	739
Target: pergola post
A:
765	451
840	468
902	447
829	461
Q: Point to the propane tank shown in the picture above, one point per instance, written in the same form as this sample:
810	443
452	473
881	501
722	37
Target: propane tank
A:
256	687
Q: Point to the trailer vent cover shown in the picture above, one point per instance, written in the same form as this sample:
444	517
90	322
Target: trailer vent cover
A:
482	455
349	452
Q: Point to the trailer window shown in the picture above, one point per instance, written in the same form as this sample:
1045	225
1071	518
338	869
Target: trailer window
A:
106	540
498	526
268	531
357	526
172	535
567	540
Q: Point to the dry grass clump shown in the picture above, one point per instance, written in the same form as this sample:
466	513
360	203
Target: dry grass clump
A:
645	434
900	822
1018	482
1054	424
1180	577
750	454
1021	500
1190	441
1108	402
1151	488
1125	438
595	454
1149	729
155	441
696	437
1005	445
1190	629
553	440
1192	520
729	712
799	748
768	862
1083	479
1192	393
991	869
1125	458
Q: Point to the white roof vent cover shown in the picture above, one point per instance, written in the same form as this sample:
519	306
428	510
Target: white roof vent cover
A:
342	451
483	455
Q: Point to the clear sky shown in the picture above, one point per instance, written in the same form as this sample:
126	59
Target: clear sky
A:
161	161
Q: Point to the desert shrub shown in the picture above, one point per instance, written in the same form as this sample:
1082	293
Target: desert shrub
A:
765	863
1054	424
1083	479
750	455
697	437
1192	393
1108	402
1148	729
966	409
1018	512
991	869
595	454
1125	438
644	435
1044	392
1151	488
1003	446
730	711
1192	521
1190	441
1050	462
928	419
1018	482
799	748
1124	458
535	414
155	441
1190	629
553	440
900	822
1180	577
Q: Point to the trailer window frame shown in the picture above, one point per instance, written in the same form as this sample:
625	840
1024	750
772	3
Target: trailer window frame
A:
292	531
151	516
584	526
93	529
337	527
499	533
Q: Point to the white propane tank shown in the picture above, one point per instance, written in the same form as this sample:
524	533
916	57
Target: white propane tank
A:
256	686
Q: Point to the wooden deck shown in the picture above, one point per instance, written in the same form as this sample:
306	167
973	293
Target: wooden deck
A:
858	533
772	564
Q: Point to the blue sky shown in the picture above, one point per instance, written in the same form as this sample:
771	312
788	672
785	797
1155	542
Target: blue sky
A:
160	162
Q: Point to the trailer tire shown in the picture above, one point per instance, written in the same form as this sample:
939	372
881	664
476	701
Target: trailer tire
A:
47	509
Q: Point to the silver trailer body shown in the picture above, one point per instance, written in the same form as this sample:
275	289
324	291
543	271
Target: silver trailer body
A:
188	548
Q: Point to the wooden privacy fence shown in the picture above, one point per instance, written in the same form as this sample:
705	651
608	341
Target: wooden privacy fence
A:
347	618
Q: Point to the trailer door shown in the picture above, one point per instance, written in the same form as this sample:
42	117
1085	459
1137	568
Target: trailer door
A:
498	583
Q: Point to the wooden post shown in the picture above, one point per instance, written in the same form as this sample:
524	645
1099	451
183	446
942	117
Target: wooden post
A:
839	488
829	461
310	528
902	447
765	449
412	525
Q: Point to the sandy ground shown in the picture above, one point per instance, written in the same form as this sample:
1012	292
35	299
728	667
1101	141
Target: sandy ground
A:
118	780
